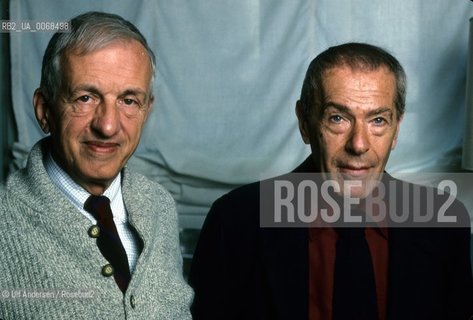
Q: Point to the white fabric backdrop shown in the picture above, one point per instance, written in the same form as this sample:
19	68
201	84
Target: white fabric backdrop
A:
230	72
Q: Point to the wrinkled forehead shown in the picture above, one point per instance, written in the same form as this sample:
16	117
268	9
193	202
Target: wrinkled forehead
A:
363	78
132	48
358	85
85	48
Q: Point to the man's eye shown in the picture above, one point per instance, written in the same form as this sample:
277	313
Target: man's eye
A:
130	102
379	121
85	99
335	119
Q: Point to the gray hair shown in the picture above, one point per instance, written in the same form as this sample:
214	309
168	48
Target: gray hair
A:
88	32
358	56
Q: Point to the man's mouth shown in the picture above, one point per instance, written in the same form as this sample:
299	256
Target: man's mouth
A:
354	171
102	147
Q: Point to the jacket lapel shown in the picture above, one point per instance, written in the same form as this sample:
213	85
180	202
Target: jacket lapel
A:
414	271
285	267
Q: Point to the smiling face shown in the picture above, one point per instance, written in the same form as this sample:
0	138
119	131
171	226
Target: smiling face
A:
97	121
353	135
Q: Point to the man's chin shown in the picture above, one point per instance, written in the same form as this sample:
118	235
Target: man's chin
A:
357	188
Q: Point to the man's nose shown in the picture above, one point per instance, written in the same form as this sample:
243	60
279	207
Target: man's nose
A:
358	141
106	121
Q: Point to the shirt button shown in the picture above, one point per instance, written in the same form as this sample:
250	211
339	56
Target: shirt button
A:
94	231
107	270
132	301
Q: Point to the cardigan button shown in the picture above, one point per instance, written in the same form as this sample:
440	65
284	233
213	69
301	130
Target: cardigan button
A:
107	270
94	231
132	301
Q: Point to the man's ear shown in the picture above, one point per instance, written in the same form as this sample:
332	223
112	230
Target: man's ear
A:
41	110
150	106
303	125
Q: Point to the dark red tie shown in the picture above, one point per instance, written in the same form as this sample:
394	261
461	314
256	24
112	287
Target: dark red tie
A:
108	240
354	289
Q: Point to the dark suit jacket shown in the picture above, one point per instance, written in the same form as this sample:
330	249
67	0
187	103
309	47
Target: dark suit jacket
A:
242	271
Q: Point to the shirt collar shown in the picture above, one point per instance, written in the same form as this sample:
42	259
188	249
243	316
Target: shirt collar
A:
315	231
73	191
320	226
